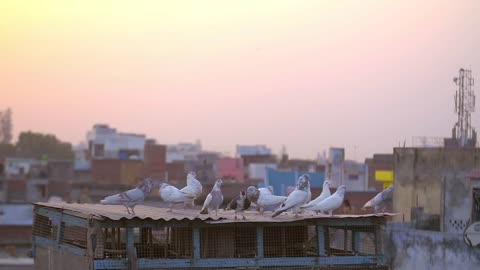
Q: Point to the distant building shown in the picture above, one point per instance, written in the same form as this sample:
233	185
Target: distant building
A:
117	171
16	222
204	164
283	182
355	176
230	168
378	163
14	167
183	151
433	187
155	161
352	174
253	150
336	159
306	165
176	171
258	171
105	142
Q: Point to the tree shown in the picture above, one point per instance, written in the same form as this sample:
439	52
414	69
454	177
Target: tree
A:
6	126
7	150
41	146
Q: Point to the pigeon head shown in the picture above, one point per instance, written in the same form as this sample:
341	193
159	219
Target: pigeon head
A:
341	190
192	174
326	184
146	185
253	193
243	194
162	185
219	182
303	182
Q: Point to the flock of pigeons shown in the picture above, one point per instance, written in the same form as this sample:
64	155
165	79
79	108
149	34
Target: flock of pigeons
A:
297	201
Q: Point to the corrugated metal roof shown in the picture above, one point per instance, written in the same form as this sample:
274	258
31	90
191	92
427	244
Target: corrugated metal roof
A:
253	216
118	212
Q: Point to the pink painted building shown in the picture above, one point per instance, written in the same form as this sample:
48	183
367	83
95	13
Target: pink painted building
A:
230	168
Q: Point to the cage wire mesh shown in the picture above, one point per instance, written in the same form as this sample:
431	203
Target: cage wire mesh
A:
224	242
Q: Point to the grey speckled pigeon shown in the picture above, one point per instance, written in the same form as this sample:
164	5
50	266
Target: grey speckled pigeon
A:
130	198
379	201
214	199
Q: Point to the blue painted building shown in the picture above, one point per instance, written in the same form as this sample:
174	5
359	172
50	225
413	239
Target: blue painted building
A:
281	180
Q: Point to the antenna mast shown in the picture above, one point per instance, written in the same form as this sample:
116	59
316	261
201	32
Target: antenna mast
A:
463	132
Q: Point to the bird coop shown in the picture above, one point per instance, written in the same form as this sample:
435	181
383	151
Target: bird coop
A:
91	236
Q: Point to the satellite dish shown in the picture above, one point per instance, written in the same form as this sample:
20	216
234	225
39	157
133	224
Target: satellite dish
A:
472	234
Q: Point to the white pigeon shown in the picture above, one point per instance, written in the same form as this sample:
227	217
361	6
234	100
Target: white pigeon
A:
325	194
214	199
264	198
130	198
309	191
194	188
331	203
380	200
172	195
297	198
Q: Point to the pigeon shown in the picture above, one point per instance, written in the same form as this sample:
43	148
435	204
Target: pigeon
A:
193	188
239	204
380	200
214	199
325	194
130	198
173	195
264	198
297	198
331	203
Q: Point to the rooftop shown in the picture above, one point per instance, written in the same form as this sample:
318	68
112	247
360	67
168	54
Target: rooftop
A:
143	212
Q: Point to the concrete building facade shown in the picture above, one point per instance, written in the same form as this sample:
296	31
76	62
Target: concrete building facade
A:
433	185
105	142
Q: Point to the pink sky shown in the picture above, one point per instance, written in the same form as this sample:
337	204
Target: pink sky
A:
307	74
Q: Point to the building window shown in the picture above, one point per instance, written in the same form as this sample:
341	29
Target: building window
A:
353	177
99	150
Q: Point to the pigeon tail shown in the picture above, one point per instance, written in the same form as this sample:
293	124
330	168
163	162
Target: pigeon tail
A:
204	211
114	199
278	213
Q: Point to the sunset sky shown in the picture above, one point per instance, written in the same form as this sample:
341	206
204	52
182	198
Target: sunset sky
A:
364	75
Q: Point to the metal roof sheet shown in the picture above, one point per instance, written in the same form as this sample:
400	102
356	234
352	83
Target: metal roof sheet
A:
118	212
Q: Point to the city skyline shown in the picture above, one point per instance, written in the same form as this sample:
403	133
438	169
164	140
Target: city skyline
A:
366	75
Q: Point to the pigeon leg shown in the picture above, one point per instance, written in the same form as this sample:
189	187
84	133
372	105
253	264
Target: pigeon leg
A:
171	208
296	215
330	213
133	212
243	216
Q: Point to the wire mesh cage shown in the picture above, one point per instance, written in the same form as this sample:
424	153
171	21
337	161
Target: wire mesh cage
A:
314	243
290	241
228	242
